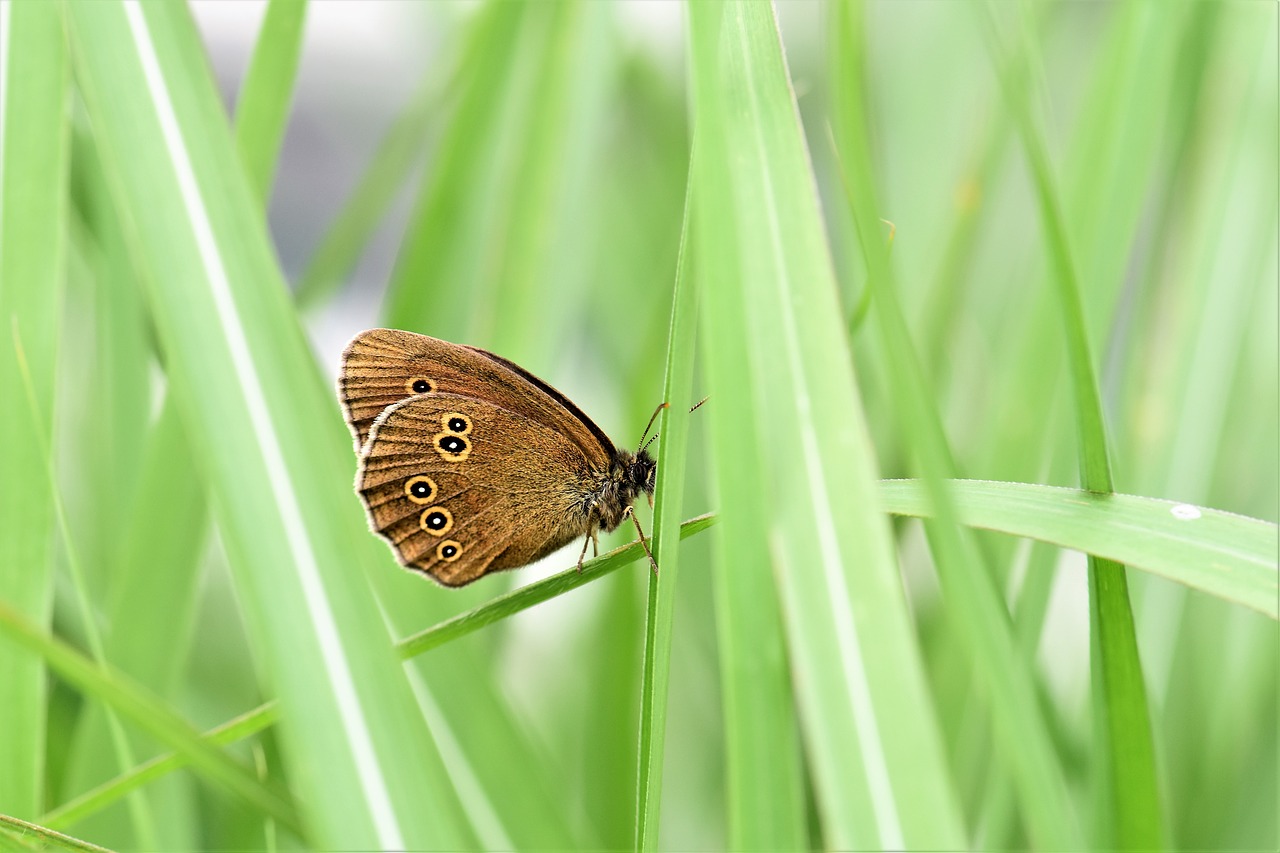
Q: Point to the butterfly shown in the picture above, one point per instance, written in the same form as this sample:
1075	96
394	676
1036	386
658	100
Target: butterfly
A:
469	464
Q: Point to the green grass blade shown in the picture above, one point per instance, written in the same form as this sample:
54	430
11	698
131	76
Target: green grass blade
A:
491	235
265	433
34	154
73	811
165	524
880	777
513	151
152	715
32	834
1222	554
673	425
254	721
529	595
262	109
123	501
1129	792
382	181
766	801
979	617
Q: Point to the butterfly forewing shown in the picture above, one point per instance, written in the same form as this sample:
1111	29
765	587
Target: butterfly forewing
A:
460	486
381	367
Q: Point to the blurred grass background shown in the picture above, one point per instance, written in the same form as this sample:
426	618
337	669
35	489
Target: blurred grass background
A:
175	484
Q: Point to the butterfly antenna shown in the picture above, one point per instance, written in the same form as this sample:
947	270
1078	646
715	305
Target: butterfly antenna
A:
698	405
651	440
648	426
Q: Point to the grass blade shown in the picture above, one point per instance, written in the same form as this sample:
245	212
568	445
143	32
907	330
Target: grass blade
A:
26	833
1219	553
136	704
880	778
978	614
264	431
513	151
262	110
254	721
529	595
73	811
383	179
33	179
1128	794
673	427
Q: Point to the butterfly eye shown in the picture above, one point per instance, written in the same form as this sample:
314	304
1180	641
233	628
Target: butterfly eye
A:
420	385
454	448
456	422
437	521
420	489
449	550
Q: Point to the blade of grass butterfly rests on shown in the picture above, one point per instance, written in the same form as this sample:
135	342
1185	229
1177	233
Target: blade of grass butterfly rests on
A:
1006	679
1127	793
880	777
260	718
33	179
264	434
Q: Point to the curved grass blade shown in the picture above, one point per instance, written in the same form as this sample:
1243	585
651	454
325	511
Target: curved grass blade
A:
1219	553
535	593
514	147
152	715
254	721
90	802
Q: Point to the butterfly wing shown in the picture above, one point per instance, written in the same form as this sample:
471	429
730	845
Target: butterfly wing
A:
461	487
381	367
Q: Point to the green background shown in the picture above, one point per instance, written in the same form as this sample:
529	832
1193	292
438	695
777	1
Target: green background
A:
951	273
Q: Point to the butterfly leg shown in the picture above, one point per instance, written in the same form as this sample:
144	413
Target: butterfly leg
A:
643	543
594	528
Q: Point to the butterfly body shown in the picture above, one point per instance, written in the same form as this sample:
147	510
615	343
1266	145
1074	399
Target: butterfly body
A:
469	464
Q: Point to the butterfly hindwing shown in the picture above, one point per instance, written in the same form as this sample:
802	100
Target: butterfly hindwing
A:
381	367
460	486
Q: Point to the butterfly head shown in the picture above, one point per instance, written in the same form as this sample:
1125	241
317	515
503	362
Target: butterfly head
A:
640	471
608	495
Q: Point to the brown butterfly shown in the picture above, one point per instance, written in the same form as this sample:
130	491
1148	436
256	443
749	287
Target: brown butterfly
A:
470	464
